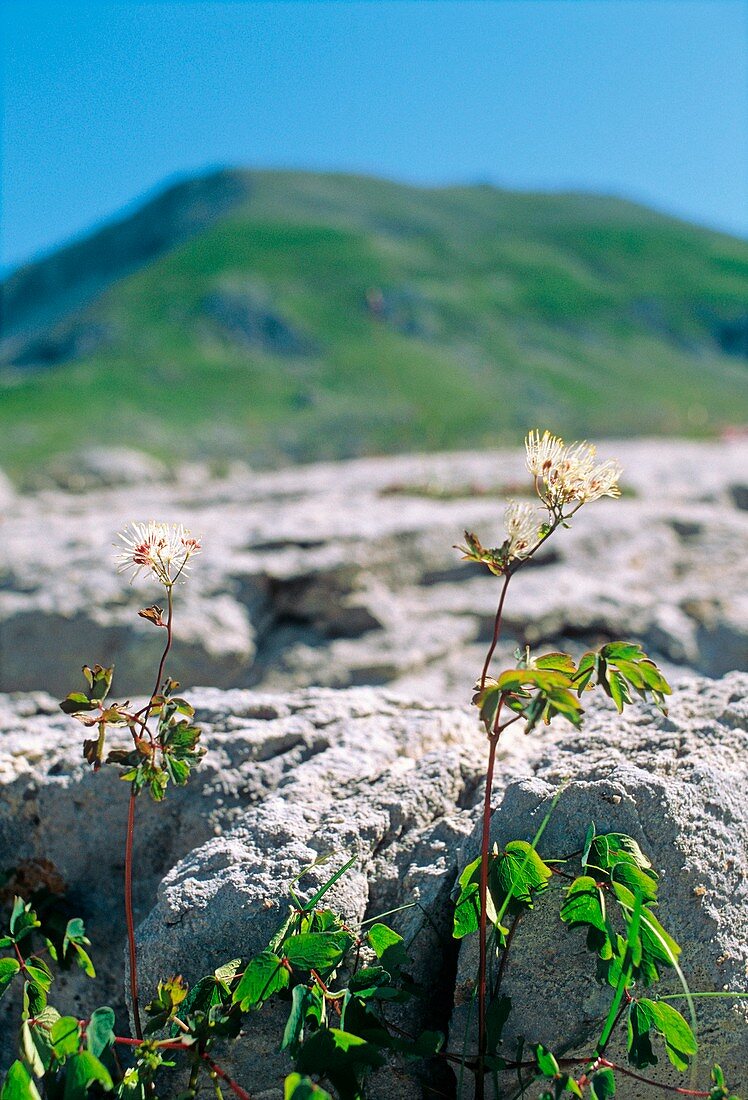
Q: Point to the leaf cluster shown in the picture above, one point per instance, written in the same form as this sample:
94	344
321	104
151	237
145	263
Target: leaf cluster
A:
552	684
157	756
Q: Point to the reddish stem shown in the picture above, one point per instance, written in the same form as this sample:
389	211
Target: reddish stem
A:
129	914
483	918
493	740
496	632
648	1080
164	1044
236	1089
132	951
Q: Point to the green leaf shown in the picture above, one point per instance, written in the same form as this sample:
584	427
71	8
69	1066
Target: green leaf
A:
317	950
680	1042
341	1057
84	960
546	680
170	994
65	1036
179	770
487	702
583	905
39	1033
388	947
29	1051
76	702
518	873
368	979
467	907
615	685
39	973
496	1017
556	662
100	1031
547	1064
228	971
658	946
585	671
640	1022
263	976
629	651
18	1084
293	1034
81	1071
621	857
297	1087
23	919
602	1085
8	970
75	932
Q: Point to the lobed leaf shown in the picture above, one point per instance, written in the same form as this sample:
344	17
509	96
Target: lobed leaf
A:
389	947
18	1084
264	975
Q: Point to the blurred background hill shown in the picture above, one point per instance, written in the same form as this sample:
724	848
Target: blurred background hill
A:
281	315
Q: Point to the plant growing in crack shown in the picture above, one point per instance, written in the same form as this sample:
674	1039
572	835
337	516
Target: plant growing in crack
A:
500	884
337	983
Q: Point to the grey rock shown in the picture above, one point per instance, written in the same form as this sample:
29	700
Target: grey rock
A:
103	468
344	574
662	781
368	772
244	314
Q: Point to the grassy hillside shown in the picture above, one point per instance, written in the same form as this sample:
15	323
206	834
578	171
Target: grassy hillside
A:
327	316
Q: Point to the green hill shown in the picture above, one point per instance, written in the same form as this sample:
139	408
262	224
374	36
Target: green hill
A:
280	315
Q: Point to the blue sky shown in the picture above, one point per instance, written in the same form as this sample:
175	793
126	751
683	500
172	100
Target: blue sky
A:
104	101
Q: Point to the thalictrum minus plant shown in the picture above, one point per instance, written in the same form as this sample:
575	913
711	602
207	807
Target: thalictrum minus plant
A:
565	478
160	552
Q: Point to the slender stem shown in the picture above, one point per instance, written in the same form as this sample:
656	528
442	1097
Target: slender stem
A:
236	1089
493	740
130	834
496	632
165	654
648	1080
129	914
483	919
162	1044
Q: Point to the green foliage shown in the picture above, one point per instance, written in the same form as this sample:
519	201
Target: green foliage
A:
646	1016
515	875
166	754
551	684
620	668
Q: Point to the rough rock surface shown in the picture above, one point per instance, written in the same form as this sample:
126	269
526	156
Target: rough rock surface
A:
345	574
364	771
677	785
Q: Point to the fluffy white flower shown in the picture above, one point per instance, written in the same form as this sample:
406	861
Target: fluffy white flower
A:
543	452
522	522
570	473
162	549
602	481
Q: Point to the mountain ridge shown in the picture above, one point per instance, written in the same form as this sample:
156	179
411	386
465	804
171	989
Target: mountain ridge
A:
327	305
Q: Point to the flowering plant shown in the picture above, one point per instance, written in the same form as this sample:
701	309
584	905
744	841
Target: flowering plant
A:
338	979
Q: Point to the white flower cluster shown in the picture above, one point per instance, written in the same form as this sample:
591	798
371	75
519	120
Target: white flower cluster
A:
570	473
522	522
162	549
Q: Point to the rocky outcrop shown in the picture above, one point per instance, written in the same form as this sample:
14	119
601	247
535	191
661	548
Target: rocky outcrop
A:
398	784
346	574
